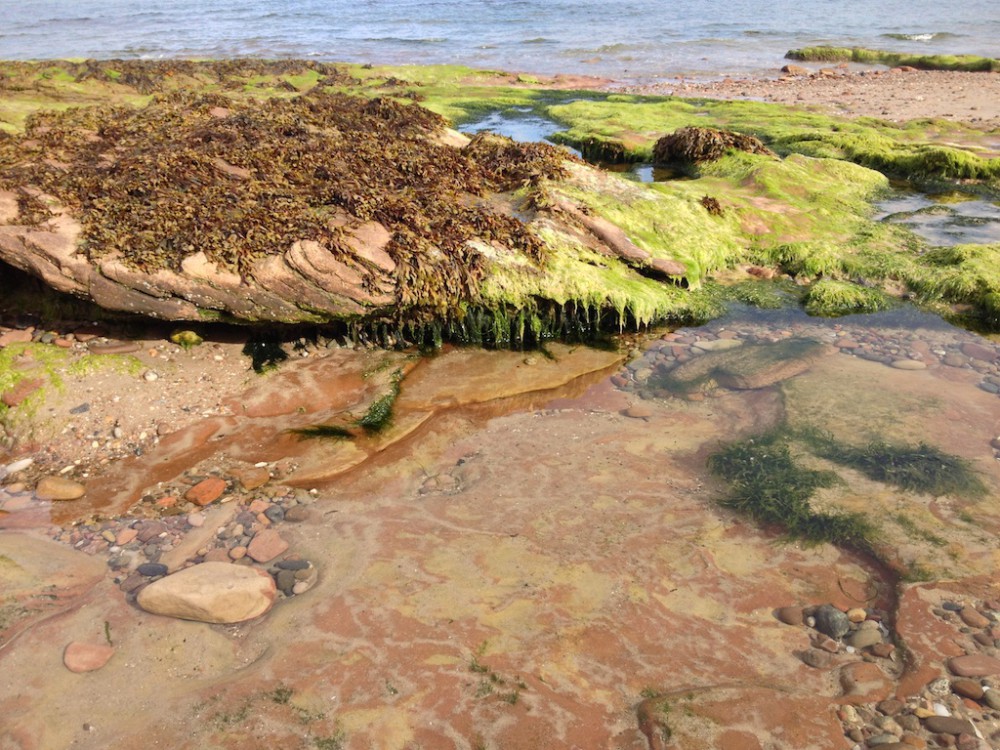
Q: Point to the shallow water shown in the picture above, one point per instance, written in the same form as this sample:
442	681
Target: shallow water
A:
534	547
624	39
944	219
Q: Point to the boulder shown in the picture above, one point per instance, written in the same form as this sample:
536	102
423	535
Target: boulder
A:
214	592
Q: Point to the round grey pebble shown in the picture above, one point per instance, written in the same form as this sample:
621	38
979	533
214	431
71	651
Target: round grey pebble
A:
292	564
275	514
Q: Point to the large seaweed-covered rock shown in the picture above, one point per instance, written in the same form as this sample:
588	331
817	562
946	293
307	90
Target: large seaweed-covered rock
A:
694	145
314	208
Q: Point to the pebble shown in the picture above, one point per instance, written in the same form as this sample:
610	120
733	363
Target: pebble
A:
908	364
863	638
23	463
948	725
718	345
266	546
992	699
789	615
967	689
973	618
831	621
59	488
974	665
206	491
292	564
86	657
816	658
152	569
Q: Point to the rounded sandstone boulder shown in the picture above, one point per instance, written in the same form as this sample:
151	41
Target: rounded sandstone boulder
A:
212	592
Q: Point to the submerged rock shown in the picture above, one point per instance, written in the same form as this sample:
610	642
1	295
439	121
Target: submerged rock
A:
747	367
213	592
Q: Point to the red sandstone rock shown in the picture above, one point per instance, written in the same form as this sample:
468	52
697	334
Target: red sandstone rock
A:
86	657
252	477
974	665
206	491
14	337
16	395
266	546
972	618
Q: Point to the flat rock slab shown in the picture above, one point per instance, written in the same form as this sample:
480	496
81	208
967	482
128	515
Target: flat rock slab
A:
214	592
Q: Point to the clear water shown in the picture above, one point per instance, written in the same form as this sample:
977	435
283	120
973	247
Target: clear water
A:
623	39
948	219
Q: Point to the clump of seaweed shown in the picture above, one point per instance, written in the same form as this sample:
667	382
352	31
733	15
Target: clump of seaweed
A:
830	298
379	414
265	354
240	180
916	468
770	487
694	145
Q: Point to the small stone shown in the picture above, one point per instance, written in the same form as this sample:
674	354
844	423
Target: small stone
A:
206	491
967	689
857	615
912	740
152	569
150	375
789	615
197	520
58	488
863	638
718	345
979	351
954	360
238	552
86	657
974	665
831	621
275	514
292	564
297	514
266	546
285	580
948	725
972	618
16	395
125	536
882	740
301	587
883	650
908	364
251	478
890	706
992	699
816	658
639	411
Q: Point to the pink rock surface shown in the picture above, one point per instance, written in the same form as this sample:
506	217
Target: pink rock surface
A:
86	657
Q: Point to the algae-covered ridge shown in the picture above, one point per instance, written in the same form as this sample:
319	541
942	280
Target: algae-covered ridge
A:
238	157
971	63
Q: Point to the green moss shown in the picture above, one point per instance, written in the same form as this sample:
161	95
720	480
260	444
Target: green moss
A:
327	431
835	298
972	63
379	414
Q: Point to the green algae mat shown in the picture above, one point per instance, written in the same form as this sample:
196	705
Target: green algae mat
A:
289	191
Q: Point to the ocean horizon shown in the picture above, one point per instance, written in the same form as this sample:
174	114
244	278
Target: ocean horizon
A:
626	40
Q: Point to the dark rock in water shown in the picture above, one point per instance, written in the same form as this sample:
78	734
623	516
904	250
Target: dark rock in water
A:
749	367
693	145
152	569
292	564
948	725
285	580
831	621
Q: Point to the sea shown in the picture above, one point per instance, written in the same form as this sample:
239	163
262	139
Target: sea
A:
626	40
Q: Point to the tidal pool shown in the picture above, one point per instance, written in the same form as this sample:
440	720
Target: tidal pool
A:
534	549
